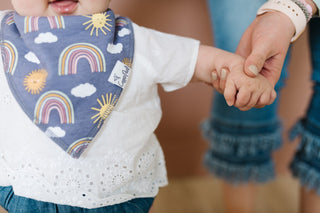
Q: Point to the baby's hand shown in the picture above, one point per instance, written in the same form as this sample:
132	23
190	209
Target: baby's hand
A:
213	64
224	71
245	92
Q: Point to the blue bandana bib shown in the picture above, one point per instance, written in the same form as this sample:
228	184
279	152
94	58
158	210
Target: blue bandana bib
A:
67	72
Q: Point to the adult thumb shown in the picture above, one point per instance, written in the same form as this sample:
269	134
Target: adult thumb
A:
255	61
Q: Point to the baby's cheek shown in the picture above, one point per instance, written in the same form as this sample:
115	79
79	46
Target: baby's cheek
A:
24	7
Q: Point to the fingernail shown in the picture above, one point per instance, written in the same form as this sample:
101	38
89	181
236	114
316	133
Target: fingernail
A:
223	74
214	76
254	70
229	103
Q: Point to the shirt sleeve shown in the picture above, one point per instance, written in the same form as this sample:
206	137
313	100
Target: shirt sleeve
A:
172	59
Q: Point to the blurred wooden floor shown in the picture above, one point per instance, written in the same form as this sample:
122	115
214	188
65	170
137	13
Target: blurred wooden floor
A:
202	195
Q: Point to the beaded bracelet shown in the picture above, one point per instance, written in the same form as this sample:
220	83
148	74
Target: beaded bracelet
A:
305	7
297	12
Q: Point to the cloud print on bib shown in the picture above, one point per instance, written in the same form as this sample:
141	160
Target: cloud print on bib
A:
83	90
30	56
115	48
46	38
55	132
124	32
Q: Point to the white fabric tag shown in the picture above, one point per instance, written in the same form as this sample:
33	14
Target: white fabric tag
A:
120	74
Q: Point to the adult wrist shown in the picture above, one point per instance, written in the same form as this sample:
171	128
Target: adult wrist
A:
298	11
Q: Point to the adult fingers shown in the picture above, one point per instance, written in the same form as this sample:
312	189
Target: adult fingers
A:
255	61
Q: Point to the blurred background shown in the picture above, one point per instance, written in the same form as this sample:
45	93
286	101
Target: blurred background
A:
191	189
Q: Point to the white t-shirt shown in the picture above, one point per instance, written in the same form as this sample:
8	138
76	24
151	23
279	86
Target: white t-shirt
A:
125	160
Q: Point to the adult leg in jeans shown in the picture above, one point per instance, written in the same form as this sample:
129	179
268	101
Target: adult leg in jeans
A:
241	143
306	164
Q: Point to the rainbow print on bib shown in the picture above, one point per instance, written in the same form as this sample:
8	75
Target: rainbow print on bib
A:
70	56
10	56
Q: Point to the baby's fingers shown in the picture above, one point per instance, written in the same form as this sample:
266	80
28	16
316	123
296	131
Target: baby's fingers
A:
273	97
223	77
216	81
266	98
252	102
243	98
230	92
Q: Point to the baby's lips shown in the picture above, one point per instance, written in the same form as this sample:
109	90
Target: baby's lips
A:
64	6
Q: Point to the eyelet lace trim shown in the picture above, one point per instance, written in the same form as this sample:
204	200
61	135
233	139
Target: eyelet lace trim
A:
115	178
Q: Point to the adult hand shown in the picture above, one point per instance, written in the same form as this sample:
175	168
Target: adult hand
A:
265	44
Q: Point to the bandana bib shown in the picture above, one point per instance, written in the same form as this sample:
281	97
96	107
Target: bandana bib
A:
67	72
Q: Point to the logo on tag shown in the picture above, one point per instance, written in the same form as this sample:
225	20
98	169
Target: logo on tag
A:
119	75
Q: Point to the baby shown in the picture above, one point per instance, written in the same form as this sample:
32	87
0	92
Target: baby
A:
79	104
